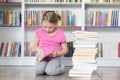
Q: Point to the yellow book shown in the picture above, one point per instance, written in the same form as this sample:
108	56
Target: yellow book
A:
109	17
60	21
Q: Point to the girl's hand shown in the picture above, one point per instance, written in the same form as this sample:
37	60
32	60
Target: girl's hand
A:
34	49
54	54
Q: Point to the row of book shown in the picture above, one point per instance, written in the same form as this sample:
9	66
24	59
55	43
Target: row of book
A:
103	18
28	49
53	0
10	18
34	18
10	49
13	49
104	0
105	49
84	56
111	49
29	53
3	0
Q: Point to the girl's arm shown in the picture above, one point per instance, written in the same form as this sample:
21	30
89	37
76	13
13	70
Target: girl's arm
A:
35	44
64	49
62	52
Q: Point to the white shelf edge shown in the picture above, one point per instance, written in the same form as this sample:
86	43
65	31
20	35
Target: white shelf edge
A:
108	62
28	61
11	61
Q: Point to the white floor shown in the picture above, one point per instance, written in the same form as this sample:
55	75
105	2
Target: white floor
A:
27	73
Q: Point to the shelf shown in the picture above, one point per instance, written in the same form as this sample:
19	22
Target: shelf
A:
57	3
102	26
10	3
27	61
9	29
52	4
103	5
66	27
108	62
70	27
12	61
10	26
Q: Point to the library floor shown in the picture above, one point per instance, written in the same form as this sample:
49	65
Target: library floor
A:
27	73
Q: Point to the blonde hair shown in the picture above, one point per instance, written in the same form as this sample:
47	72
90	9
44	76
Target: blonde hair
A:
51	17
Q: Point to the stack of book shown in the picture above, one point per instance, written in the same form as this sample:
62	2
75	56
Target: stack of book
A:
84	56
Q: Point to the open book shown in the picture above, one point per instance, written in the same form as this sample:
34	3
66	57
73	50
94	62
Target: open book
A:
40	54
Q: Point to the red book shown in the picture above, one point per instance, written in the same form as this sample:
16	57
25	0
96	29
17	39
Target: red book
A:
119	49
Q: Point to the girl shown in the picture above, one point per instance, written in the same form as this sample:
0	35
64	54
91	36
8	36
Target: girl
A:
52	41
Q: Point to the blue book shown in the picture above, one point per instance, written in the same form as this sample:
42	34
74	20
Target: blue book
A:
112	20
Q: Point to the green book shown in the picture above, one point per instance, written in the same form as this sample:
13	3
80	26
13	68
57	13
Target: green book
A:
1	18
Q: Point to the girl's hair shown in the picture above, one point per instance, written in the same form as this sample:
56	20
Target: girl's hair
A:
51	17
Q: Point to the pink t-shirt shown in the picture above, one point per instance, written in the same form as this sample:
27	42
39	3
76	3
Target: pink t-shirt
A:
50	43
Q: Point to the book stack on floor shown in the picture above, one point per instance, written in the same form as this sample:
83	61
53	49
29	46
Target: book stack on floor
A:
84	56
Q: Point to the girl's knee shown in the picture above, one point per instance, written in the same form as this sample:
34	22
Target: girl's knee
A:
39	67
54	72
50	72
38	70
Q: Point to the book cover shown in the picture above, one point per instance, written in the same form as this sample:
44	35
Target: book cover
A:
40	54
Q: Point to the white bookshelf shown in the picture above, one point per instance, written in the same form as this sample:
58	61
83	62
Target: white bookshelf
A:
107	34
26	34
23	34
108	62
14	61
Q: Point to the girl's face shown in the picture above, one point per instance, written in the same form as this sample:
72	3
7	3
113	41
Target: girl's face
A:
48	27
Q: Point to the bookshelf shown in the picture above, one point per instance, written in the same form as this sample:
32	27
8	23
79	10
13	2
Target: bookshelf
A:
103	17
24	32
10	29
68	8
